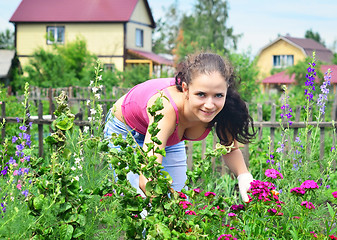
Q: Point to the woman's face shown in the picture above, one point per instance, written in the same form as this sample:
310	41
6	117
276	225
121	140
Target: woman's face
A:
206	95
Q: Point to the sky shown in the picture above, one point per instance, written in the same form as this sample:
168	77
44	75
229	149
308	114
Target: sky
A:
259	21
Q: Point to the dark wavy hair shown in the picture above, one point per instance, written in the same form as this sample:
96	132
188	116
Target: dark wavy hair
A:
233	121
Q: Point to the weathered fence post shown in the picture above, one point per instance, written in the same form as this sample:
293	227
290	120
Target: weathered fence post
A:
40	128
272	129
3	116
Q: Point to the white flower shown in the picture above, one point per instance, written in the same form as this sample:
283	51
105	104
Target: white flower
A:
86	129
77	161
94	89
88	102
99	77
73	168
91	83
81	189
77	178
98	96
79	167
92	111
100	87
100	107
90	119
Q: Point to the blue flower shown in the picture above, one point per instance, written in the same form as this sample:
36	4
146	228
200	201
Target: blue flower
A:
23	128
11	160
14	139
19	147
25	192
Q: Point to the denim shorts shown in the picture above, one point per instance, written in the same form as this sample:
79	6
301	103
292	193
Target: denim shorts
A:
174	163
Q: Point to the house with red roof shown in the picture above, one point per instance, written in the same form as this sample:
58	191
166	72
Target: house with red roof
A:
286	51
118	32
282	78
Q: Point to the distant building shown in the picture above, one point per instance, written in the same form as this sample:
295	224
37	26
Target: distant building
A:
286	51
282	78
7	58
119	32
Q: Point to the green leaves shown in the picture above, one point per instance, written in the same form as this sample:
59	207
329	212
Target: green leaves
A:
66	231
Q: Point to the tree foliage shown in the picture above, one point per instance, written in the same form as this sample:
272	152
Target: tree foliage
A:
165	34
7	39
247	72
205	29
315	36
63	66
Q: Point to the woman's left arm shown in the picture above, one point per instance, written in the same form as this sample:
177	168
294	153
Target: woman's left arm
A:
236	163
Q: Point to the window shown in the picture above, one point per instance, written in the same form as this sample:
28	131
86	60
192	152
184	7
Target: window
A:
139	37
280	61
55	35
108	67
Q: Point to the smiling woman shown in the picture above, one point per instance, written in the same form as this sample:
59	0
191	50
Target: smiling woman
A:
201	96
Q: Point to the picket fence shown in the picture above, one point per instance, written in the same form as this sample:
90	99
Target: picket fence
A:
77	96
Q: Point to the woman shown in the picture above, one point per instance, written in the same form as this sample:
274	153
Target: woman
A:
200	97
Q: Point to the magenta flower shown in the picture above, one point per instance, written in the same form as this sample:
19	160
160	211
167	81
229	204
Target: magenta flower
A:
308	205
309	184
197	190
185	204
237	207
209	193
226	237
182	195
190	212
272	173
298	191
334	194
231	214
261	189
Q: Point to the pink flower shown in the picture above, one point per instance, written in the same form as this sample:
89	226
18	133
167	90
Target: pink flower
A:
298	191
190	212
237	207
334	194
313	233
182	195
197	190
272	210
18	186
308	205
261	189
185	204
231	214
226	237
309	184
209	193
272	173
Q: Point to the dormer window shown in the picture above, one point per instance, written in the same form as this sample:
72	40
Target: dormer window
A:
139	37
55	35
280	61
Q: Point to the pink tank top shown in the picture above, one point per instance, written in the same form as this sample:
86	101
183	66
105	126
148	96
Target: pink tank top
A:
135	112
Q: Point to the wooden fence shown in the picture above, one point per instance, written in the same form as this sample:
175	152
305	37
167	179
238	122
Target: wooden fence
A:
79	96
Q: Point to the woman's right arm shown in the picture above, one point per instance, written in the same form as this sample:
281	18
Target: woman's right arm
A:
166	125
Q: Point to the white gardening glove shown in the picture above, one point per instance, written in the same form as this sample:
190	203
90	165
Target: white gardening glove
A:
244	180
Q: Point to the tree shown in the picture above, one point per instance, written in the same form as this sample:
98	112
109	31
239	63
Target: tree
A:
165	34
246	71
315	36
207	28
7	39
63	66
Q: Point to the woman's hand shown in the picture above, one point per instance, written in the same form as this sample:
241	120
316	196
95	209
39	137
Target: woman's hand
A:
244	180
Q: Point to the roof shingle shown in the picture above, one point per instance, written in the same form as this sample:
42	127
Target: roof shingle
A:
76	11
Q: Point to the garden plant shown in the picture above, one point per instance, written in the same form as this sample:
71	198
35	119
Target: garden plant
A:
79	190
